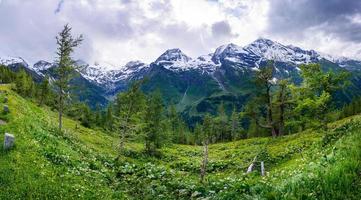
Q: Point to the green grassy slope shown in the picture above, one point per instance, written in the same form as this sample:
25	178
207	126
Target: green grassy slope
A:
81	163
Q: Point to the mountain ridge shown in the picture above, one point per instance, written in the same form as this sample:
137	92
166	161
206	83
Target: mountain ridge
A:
174	59
198	85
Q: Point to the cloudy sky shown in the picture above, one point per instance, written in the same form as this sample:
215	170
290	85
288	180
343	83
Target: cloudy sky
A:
117	31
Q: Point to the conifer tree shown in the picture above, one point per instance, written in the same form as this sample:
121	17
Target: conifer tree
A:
65	70
283	101
198	131
44	90
235	125
221	123
208	134
154	128
264	81
98	116
109	119
175	126
129	110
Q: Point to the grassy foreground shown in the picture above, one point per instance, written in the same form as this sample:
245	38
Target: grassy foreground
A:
82	163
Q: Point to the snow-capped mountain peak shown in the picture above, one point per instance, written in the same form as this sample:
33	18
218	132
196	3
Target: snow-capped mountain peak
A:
9	60
270	50
174	59
106	76
133	67
231	53
175	55
42	65
134	64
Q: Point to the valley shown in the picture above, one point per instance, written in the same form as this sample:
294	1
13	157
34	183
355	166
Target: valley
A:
84	163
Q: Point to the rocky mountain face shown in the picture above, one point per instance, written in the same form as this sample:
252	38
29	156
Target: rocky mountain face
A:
199	84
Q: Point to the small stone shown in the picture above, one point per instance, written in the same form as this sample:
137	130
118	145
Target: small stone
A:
6	109
9	141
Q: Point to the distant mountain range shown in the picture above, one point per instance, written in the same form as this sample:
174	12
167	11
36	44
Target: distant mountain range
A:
198	85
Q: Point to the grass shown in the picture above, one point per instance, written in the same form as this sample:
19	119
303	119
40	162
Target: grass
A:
81	163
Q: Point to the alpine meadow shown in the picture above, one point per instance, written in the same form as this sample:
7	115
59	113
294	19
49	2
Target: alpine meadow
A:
82	117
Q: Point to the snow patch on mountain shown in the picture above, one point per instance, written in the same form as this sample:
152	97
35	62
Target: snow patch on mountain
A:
229	52
269	50
9	60
175	60
205	63
105	76
41	66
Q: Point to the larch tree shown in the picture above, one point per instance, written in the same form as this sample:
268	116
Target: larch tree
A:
208	133
154	128
235	125
283	102
44	90
129	110
314	98
109	118
65	70
264	80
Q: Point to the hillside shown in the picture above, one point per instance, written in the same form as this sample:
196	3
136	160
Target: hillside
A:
82	163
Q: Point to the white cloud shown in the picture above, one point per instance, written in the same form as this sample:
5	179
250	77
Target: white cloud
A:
117	31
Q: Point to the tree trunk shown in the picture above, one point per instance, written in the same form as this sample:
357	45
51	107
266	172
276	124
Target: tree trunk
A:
270	113
121	143
250	167
282	120
205	160
282	107
262	169
60	110
124	125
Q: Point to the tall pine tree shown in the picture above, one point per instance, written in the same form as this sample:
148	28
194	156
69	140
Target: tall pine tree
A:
66	44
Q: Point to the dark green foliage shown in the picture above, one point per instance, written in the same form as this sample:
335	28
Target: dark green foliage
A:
82	113
109	119
236	130
179	130
45	91
154	127
24	84
6	75
352	108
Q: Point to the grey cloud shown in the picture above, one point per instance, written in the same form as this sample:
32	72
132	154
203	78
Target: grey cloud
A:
221	29
289	18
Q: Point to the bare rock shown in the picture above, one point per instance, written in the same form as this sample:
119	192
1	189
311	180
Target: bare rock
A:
6	109
9	141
